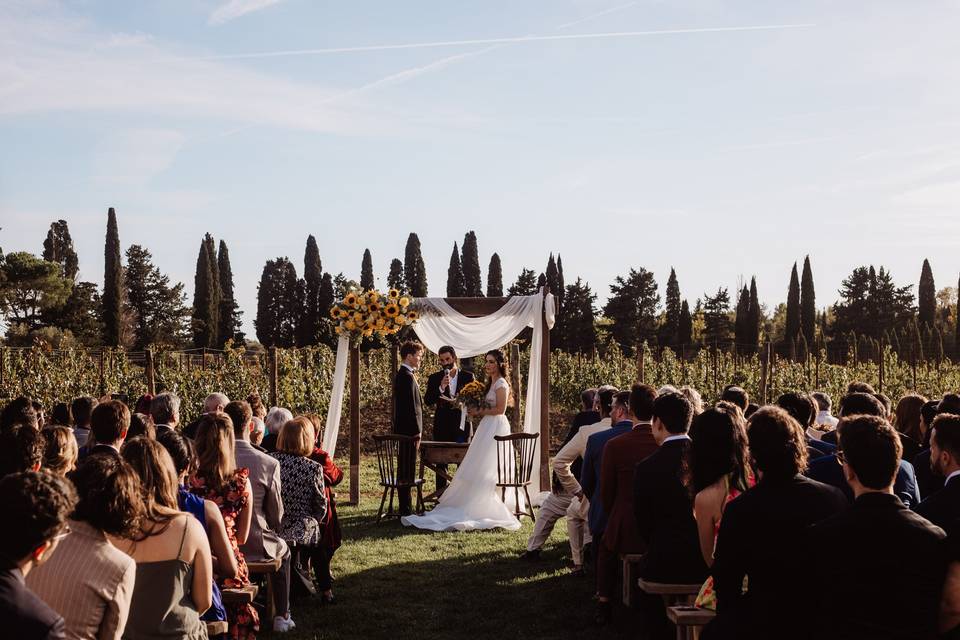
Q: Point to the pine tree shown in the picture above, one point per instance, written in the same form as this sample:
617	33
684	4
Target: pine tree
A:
367	281
229	316
927	296
395	278
495	277
211	244
58	247
526	284
808	303
684	326
753	318
716	315
671	316
633	307
158	309
203	324
793	307
308	330
112	284
81	313
277	304
470	265
579	331
455	284
414	270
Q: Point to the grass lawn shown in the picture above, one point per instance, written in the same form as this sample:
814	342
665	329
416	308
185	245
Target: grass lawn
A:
397	582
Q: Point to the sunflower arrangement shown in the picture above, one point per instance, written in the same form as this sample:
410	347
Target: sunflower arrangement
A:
361	314
473	394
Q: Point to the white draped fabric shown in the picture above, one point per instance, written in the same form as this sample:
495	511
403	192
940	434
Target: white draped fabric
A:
332	430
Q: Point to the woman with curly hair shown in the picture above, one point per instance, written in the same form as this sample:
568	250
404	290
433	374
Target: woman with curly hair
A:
218	479
61	453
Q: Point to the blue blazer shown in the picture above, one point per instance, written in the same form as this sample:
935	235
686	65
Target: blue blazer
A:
590	476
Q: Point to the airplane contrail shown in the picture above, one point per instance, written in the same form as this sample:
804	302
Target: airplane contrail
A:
486	41
598	14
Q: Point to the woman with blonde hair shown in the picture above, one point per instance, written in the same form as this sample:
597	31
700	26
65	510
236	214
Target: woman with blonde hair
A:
61	454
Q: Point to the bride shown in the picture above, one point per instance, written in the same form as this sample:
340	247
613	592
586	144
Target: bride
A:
472	500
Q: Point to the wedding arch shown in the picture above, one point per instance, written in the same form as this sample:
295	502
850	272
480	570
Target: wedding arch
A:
472	326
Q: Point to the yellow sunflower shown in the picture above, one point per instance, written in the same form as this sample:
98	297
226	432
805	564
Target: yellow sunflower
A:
350	299
350	325
404	301
413	315
394	294
392	310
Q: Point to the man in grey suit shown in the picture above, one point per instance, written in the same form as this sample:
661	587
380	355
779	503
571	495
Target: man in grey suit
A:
263	542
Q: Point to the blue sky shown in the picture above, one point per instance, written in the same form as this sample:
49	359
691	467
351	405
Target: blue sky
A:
725	139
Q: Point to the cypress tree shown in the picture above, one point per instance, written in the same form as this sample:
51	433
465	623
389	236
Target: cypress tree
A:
916	342
308	330
470	265
112	283
325	301
366	272
455	285
927	296
741	323
229	309
793	307
553	276
395	278
211	244
808	302
753	318
266	320
560	283
204	319
671	316
495	277
580	333
685	326
277	304
414	270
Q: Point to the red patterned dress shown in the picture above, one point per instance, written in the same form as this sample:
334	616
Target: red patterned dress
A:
232	498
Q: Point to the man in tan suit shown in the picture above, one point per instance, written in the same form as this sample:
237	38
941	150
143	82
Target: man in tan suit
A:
263	542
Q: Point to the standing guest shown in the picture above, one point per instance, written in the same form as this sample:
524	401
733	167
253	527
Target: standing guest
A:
736	396
108	426
276	418
619	459
719	466
21	449
862	589
332	535
165	411
943	507
89	581
304	501
664	511
407	415
928	479
61	415
442	389
906	421
824	403
761	535
36	507
213	403
141	425
60	456
218	479
264	542
18	411
82	408
174	564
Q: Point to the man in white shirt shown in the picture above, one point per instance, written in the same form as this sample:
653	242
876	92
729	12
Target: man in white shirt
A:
823	415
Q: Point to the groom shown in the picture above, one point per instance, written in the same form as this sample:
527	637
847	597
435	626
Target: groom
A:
442	388
407	410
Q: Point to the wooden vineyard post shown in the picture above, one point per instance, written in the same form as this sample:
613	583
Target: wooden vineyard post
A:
151	377
274	397
764	364
641	365
103	380
394	367
816	370
545	397
355	425
715	355
515	426
880	385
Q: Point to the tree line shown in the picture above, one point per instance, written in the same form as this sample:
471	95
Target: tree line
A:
137	305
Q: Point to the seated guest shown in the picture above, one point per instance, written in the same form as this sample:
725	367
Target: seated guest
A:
620	455
174	566
943	507
863	589
720	471
907	423
141	425
18	411
61	416
332	476
60	456
108	428
143	404
264	541
257	431
257	406
928	479
664	511
858	386
887	405
21	449
274	421
35	507
82	408
213	403
804	410
736	396
761	533
217	478
165	411
752	408
41	414
89	581
827	469
693	397
824	404
304	501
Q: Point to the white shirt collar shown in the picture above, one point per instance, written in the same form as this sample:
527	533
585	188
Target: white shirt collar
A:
679	436
955	473
409	368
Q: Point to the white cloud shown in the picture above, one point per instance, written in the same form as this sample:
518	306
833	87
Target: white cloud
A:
135	156
236	8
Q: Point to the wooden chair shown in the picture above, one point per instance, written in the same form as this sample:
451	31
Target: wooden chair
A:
630	562
397	460
689	620
240	595
672	594
515	454
215	629
267	569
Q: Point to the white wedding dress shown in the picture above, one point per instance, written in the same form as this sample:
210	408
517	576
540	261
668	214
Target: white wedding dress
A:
472	500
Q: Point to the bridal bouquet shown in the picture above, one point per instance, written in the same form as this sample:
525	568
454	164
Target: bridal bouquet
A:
473	394
363	313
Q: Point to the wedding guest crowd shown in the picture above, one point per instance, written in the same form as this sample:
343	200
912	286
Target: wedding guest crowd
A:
152	526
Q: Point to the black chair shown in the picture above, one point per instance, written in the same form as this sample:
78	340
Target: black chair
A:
397	459
515	454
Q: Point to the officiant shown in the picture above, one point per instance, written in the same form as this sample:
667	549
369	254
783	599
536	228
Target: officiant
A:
442	389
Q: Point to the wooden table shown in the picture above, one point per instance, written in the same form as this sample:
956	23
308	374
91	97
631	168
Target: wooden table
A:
434	454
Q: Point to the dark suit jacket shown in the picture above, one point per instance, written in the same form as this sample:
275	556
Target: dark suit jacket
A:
446	419
23	614
828	471
269	442
883	573
407	411
664	513
590	477
928	482
762	534
617	469
943	507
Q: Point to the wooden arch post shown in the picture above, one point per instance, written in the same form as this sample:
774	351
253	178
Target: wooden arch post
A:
355	424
